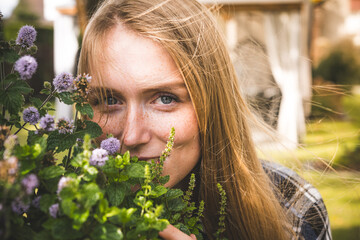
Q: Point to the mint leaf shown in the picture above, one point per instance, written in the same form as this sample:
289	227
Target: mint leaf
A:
62	229
66	142
36	102
43	235
92	128
51	172
8	54
46	201
173	193
164	179
65	97
12	100
85	109
116	192
176	204
107	231
158	191
45	91
53	140
20	86
90	194
136	170
10	78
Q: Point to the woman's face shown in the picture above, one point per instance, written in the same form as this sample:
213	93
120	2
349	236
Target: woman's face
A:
146	97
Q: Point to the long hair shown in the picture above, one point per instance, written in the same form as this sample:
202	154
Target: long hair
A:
188	31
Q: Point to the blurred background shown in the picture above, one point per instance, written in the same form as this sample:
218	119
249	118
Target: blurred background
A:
298	63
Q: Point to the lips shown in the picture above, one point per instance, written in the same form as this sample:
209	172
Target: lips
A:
148	158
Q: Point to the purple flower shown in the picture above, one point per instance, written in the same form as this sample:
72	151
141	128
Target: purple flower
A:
98	157
26	67
36	202
30	182
31	115
63	182
64	82
65	126
19	206
112	145
54	210
47	123
26	36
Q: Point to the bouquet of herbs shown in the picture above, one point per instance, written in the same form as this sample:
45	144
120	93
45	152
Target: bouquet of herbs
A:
94	192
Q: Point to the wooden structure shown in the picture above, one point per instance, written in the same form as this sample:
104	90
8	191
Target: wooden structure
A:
65	49
269	44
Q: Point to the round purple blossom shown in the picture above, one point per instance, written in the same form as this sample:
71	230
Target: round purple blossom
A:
64	82
26	67
112	145
31	115
19	206
30	182
47	123
65	126
98	157
63	182
26	36
54	210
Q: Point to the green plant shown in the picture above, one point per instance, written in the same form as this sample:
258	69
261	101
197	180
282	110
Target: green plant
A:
76	198
93	193
341	65
352	157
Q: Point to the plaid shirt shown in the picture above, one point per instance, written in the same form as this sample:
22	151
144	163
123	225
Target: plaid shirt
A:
304	203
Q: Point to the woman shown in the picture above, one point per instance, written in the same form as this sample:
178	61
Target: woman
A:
160	64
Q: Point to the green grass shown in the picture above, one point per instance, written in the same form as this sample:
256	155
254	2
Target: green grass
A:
341	194
329	141
326	141
340	189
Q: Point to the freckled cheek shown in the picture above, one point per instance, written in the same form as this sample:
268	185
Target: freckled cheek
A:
185	125
187	128
110	124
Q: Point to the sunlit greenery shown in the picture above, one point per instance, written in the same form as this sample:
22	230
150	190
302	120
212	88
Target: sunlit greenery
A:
330	141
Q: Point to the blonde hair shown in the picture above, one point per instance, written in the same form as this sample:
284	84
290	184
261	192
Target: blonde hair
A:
189	33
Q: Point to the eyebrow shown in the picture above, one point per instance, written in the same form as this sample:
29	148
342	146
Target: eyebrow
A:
160	87
165	87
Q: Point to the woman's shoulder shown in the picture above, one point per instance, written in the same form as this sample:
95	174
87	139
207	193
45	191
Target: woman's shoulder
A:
303	201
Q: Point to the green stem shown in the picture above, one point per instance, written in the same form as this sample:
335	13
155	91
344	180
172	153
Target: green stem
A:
70	149
6	88
46	100
20	129
2	78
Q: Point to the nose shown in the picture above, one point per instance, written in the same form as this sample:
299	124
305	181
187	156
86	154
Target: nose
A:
136	129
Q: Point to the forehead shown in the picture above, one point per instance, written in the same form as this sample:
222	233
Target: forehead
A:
127	54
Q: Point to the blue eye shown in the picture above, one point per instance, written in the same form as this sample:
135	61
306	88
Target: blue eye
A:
166	99
111	101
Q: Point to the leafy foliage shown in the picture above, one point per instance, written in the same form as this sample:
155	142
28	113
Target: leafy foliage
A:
122	199
341	65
